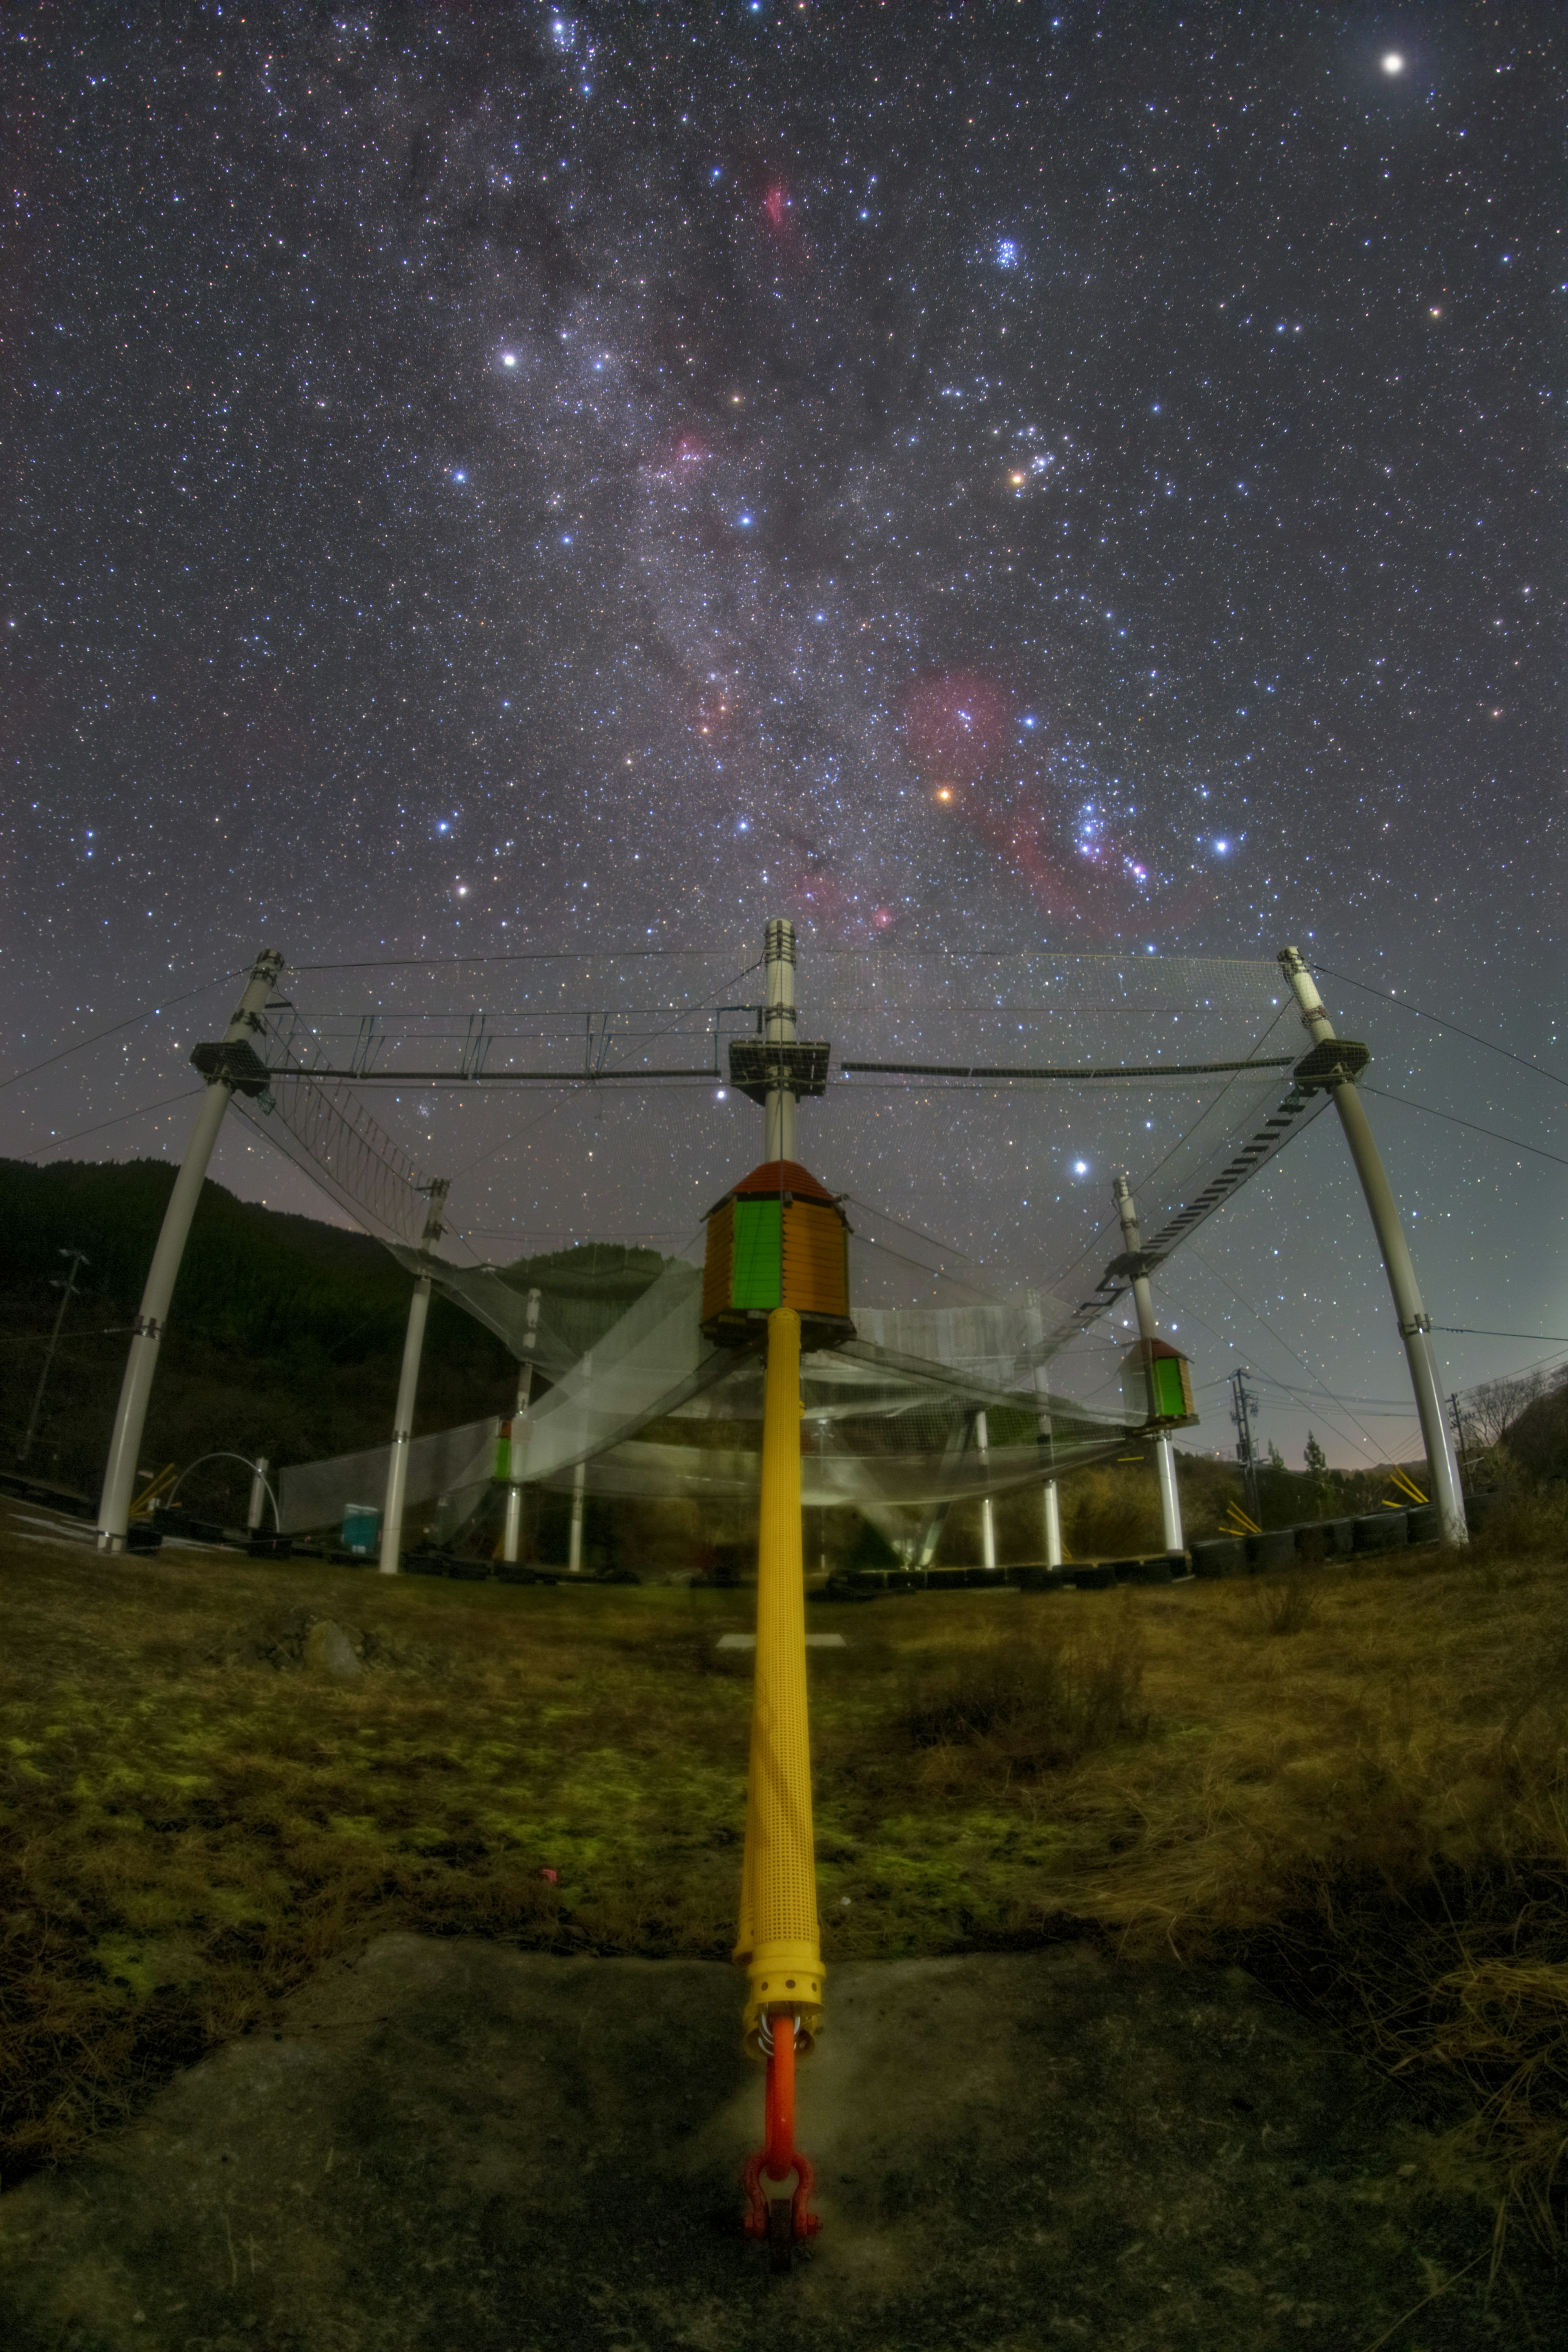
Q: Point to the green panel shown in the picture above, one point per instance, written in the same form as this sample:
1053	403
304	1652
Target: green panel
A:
1169	1401
757	1279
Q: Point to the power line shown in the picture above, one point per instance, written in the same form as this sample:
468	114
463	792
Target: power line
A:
1192	1315
147	1108
1513	1141
529	955
1464	1331
1387	997
147	1012
1316	1378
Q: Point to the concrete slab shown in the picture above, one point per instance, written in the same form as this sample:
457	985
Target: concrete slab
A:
454	2146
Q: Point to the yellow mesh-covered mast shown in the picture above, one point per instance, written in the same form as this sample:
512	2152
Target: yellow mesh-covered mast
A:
777	1267
779	1941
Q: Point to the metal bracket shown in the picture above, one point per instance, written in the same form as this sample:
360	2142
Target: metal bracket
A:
237	1064
757	1068
1333	1061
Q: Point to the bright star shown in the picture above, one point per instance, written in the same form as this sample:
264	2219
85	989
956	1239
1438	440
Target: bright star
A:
1393	63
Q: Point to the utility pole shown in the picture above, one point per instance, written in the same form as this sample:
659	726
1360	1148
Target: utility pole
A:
517	1441
1242	1406
1459	1433
1164	1453
66	1289
408	1387
1336	1063
232	1064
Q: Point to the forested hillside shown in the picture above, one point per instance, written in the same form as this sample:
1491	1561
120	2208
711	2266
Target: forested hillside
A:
284	1338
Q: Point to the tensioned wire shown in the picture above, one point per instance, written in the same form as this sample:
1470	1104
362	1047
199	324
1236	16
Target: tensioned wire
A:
1514	1142
1191	1315
145	1111
147	1012
1311	1371
1385	996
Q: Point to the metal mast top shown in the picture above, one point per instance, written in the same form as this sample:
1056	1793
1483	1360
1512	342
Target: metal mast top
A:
777	1069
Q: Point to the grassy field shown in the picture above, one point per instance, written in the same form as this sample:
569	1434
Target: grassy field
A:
1354	1779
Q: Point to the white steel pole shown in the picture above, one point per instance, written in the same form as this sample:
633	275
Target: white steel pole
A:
987	1507
408	1390
1050	1498
1164	1452
778	958
1051	1502
579	1480
575	1547
147	1331
517	1443
253	1517
1415	1323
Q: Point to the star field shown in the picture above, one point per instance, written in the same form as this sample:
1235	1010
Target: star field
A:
590	478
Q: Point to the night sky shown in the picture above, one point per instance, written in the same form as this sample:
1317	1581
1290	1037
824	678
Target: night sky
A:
490	480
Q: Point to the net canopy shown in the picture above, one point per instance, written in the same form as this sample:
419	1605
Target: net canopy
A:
975	1108
927	1405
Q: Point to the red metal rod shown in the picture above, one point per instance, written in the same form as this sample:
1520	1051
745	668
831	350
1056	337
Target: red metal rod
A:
780	2099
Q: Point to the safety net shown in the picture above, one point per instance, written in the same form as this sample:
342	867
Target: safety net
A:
450	1464
973	1110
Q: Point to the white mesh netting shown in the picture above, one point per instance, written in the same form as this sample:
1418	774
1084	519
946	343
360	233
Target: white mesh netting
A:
975	1108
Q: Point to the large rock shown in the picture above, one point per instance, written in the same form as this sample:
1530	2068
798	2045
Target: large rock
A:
329	1651
453	2147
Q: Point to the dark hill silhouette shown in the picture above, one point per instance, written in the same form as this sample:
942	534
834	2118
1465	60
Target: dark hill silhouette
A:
285	1335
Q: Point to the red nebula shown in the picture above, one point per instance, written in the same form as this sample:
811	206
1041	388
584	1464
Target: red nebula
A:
956	723
779	219
827	901
680	460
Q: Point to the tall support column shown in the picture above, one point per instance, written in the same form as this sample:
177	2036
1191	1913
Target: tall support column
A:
1415	1323
516	1442
575	1543
408	1390
224	1070
1051	1522
257	1505
1164	1452
987	1507
779	1940
1050	1498
778	960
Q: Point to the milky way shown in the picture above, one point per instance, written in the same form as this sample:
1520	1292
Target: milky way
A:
507	479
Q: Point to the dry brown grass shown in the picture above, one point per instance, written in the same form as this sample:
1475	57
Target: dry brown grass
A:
1374	1811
